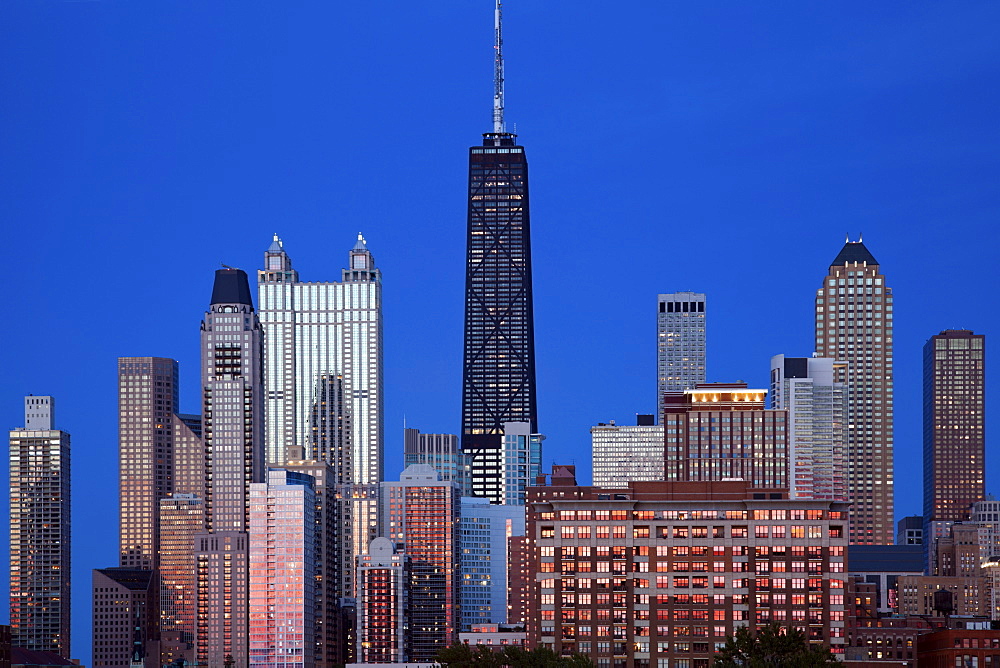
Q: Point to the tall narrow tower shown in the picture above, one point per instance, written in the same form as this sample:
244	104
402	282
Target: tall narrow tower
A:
499	364
854	325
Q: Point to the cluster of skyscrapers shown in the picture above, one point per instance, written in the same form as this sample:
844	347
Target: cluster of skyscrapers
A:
263	531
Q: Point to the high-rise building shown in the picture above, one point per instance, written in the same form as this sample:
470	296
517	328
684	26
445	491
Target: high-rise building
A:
503	473
282	571
182	518
383	604
323	361
722	430
854	325
40	531
954	429
484	529
442	452
680	342
420	516
147	403
498	373
804	387
660	573
233	435
621	453
123	604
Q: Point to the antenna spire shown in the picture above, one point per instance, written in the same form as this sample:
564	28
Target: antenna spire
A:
498	124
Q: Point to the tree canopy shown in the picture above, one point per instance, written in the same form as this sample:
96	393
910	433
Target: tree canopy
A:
771	646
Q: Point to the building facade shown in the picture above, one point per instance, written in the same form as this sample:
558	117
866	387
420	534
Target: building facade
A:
421	518
124	611
660	573
954	429
181	519
805	387
484	530
680	342
282	571
623	453
722	430
443	453
854	325
383	604
40	531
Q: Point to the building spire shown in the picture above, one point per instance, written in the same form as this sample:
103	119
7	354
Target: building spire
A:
498	123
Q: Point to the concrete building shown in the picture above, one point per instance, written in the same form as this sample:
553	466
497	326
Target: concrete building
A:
421	518
854	325
282	571
40	520
910	530
383	604
722	431
881	566
233	434
623	453
680	342
805	387
660	572
124	610
484	530
443	453
954	429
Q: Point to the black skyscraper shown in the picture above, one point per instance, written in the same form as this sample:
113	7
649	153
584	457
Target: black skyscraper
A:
499	364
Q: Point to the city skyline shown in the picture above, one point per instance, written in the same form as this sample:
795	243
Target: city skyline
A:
816	132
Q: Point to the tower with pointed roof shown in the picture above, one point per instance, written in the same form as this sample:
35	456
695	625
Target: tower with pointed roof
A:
498	373
854	312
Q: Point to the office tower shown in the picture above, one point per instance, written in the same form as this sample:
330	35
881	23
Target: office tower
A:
181	519
804	387
722	430
498	372
442	453
910	530
954	428
420	516
659	573
680	342
124	611
621	453
282	570
189	455
232	431
854	325
484	529
323	359
323	377
383	604
502	474
40	531
333	647
147	402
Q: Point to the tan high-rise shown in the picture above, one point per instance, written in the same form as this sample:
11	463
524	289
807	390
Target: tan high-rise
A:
854	324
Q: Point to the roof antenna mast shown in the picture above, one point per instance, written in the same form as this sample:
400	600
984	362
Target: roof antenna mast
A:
498	124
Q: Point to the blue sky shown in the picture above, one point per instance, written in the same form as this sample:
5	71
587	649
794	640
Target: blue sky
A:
720	147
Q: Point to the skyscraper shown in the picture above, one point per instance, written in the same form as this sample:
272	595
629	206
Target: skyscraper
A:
383	604
484	529
124	612
147	402
498	373
40	531
680	342
232	426
420	516
954	429
804	387
854	325
442	453
623	453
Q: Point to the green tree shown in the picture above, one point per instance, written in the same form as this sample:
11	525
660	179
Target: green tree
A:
770	647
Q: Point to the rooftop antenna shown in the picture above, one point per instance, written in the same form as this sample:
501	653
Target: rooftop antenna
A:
498	124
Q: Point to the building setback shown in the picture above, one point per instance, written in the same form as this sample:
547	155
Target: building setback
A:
680	342
40	531
659	573
854	325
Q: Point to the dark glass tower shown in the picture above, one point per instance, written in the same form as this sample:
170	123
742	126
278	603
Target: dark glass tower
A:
499	365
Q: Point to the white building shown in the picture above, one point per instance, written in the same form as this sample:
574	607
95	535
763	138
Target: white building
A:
622	453
483	532
805	387
680	343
